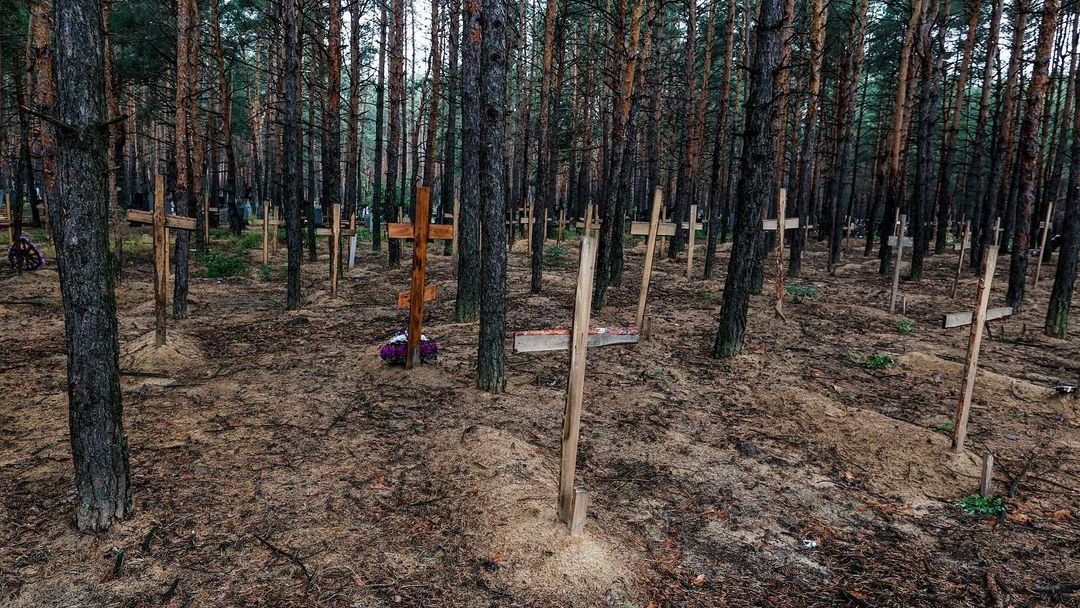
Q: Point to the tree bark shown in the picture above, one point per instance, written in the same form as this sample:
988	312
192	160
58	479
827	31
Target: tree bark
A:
79	212
1061	295
290	149
756	186
396	50
1030	152
377	205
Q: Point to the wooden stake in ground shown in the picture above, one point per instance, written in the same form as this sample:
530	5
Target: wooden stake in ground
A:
562	225
572	499
7	221
418	294
335	232
1042	241
690	243
987	476
161	223
971	363
965	244
899	241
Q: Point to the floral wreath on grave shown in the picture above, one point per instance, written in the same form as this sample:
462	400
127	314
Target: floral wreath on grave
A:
25	255
395	350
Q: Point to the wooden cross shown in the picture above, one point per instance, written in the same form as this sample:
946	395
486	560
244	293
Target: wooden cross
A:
788	223
562	225
1042	241
898	241
162	223
690	243
418	294
652	229
573	499
976	320
335	232
527	220
591	221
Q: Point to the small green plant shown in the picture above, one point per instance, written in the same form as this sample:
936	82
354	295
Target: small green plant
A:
555	255
217	264
944	427
265	272
44	302
363	234
704	295
879	361
977	505
905	326
800	292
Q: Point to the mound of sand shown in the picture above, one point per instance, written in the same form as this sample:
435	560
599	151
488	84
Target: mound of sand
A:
990	386
177	356
510	491
893	456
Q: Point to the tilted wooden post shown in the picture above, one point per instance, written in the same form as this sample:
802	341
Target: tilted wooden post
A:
266	233
971	362
781	224
562	225
569	509
335	249
960	263
650	249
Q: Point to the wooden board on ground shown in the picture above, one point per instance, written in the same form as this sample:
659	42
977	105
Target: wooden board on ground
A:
960	319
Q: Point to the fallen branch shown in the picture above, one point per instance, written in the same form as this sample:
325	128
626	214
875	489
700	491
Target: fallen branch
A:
291	556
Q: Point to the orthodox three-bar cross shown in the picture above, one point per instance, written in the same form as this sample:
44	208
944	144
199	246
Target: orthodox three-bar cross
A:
418	293
573	500
162	223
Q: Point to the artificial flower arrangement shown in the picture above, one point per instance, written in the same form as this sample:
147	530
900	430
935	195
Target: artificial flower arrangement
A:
25	255
395	350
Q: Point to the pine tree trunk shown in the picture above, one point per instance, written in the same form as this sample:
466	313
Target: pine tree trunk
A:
756	185
1061	295
79	224
468	302
352	153
491	350
450	135
290	146
395	51
719	144
186	193
1030	152
377	195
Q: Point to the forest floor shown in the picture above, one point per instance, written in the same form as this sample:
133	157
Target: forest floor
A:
277	461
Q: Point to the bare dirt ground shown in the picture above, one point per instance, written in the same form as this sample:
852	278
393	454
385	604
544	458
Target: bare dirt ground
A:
278	462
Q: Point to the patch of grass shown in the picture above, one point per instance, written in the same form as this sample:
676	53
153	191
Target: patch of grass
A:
945	428
218	264
704	295
265	272
977	505
44	302
555	255
879	361
800	292
905	326
363	234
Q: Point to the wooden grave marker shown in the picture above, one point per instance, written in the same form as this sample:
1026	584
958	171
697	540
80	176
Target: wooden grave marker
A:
1042	241
692	232
789	223
418	293
653	228
899	241
162	223
573	499
335	232
562	226
962	246
269	225
977	320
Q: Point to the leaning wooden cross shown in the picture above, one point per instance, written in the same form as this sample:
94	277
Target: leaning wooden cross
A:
162	223
418	293
573	499
976	320
335	232
1042	241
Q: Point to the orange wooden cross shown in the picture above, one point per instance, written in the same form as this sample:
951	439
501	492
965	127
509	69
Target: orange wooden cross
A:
418	293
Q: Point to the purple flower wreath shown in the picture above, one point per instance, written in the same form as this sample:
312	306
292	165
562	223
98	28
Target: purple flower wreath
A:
25	255
395	349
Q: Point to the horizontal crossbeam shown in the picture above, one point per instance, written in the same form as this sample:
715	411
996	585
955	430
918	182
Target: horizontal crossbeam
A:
176	222
960	319
404	298
542	340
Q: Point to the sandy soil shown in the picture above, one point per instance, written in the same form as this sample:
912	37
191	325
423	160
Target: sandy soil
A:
278	462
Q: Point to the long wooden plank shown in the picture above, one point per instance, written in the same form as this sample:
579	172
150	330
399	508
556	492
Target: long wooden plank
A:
399	230
908	241
691	233
161	260
266	233
404	298
1042	242
545	340
790	223
650	250
960	319
575	389
963	406
175	222
965	244
897	263
642	229
441	232
335	247
781	212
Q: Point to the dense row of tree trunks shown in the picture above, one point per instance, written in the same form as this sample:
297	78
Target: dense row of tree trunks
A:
377	198
468	295
1061	294
921	204
290	148
188	164
1030	152
718	175
976	204
225	92
395	52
